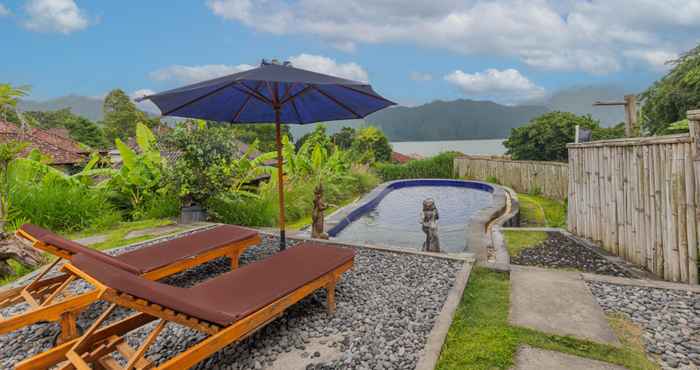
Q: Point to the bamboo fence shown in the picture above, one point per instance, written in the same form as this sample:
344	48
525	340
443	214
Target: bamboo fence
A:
639	198
550	179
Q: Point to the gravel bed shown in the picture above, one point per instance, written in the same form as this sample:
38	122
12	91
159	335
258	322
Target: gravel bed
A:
670	318
386	308
560	251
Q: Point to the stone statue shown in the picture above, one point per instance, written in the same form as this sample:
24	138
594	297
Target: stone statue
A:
429	220
317	214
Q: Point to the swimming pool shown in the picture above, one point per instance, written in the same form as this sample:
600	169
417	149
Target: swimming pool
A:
390	215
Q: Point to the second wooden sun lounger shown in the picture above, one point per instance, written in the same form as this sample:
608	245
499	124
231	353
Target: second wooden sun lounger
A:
48	299
228	307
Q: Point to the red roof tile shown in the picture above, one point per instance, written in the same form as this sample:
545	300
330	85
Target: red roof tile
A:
62	150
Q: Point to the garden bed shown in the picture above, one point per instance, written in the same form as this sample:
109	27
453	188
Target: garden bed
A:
670	319
556	250
386	308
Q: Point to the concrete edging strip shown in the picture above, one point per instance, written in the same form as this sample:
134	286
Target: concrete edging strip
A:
430	355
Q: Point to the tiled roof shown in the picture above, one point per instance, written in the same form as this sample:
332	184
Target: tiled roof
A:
62	150
400	158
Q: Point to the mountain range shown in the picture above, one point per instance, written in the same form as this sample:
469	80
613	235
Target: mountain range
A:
438	120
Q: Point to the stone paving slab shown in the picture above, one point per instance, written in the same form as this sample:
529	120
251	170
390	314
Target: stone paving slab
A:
557	302
529	358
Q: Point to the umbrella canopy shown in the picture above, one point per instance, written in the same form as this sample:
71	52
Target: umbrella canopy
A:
270	93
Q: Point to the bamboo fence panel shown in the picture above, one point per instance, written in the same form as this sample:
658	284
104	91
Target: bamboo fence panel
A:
638	198
550	179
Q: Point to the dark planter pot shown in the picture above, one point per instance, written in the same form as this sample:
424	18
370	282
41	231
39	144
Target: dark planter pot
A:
193	213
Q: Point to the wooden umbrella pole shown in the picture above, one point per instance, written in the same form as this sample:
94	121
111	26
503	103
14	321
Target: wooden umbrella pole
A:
280	176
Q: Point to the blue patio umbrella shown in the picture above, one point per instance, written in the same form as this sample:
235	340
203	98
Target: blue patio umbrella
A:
276	93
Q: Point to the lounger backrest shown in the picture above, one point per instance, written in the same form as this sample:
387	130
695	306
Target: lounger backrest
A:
73	248
167	296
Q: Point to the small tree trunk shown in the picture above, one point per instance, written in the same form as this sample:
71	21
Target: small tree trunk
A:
11	248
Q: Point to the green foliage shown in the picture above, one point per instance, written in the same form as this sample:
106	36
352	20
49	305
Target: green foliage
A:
669	98
679	127
264	134
121	116
493	180
538	211
343	139
80	129
45	196
210	163
141	179
439	166
371	145
545	137
8	101
316	137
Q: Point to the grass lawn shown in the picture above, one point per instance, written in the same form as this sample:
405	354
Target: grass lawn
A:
116	237
517	240
537	211
481	338
306	220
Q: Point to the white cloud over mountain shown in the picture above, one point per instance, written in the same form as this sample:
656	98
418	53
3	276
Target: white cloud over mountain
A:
506	86
63	16
596	36
317	63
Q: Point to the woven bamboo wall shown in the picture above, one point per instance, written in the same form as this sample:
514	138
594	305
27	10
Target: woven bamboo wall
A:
639	198
547	178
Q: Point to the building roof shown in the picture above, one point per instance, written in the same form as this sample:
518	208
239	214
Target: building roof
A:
61	150
400	158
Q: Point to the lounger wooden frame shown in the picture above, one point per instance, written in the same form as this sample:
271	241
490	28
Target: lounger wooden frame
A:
48	299
97	344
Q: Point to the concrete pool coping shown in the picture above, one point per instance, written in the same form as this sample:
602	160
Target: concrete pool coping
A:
478	236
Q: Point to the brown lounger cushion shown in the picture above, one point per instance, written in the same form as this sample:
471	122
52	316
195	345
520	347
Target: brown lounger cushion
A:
234	295
165	253
48	237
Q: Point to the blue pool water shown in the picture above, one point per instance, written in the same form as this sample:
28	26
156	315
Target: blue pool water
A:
395	219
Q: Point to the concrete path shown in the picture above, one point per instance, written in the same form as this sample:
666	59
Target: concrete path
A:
557	302
529	358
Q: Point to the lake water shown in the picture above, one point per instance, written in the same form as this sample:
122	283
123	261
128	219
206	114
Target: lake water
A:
430	148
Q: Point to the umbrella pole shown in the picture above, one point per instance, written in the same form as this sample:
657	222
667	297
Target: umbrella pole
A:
280	177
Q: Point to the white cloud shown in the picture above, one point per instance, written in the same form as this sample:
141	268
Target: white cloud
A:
420	76
590	35
146	105
657	59
4	11
191	74
316	63
62	16
506	86
321	64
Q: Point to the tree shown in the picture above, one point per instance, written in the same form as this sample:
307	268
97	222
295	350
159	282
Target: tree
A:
545	137
371	145
81	129
344	138
669	98
317	136
9	96
121	116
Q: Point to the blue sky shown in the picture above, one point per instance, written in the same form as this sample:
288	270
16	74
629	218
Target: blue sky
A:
509	51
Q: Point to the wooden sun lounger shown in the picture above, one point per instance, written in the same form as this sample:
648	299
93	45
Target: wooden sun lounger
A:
48	299
228	307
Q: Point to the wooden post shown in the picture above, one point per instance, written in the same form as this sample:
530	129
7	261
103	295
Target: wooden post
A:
280	176
694	126
630	115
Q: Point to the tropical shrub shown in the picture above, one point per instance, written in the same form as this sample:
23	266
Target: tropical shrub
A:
544	138
439	166
669	98
371	145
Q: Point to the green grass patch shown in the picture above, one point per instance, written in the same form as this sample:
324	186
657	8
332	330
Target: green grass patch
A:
481	338
306	220
537	211
20	270
517	240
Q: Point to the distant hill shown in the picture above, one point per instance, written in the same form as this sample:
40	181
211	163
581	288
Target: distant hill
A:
453	120
580	100
90	108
